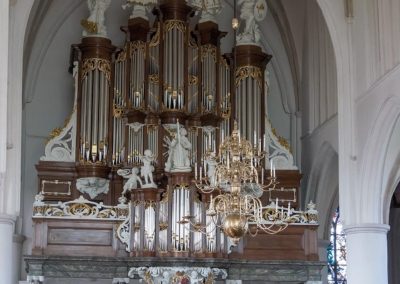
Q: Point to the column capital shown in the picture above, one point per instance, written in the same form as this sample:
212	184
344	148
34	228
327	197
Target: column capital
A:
372	228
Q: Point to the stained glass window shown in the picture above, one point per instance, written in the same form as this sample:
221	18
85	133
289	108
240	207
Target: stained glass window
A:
337	252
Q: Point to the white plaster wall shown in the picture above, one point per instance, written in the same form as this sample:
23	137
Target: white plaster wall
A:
319	100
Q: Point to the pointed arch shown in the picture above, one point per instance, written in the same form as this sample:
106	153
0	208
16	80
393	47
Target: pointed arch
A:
322	187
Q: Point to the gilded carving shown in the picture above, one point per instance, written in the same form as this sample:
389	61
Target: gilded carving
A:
96	63
80	207
193	80
248	71
175	24
154	79
118	111
137	46
208	49
282	140
89	26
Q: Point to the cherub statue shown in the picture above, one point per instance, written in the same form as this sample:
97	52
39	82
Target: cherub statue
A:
211	165
252	12
178	152
147	169
139	7
133	179
93	186
95	24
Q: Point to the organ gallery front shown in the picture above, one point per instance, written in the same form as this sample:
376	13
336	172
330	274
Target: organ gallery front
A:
168	169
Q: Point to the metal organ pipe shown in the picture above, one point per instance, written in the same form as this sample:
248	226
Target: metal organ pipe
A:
101	111
97	94
249	100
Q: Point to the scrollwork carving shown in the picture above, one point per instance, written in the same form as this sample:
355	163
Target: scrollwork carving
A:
96	63
244	72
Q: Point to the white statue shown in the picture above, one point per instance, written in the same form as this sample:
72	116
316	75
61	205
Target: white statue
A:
133	179
93	186
209	9
178	152
252	12
140	7
147	169
95	24
211	165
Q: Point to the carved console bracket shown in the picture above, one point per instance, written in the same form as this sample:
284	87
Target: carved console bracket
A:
34	279
194	275
279	149
61	146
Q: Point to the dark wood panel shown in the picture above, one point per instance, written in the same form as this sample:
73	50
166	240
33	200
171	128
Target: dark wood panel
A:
75	236
297	242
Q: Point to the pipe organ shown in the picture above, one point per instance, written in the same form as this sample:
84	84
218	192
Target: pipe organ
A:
168	85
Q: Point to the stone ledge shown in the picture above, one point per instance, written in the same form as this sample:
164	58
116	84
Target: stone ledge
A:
114	267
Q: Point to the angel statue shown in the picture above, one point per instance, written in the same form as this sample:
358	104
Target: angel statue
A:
211	166
139	7
133	179
95	24
209	9
251	12
178	152
147	169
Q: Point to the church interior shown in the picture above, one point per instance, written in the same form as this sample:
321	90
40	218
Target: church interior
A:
199	141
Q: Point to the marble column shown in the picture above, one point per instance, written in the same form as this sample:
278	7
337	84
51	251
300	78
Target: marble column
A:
9	204
367	253
6	249
4	33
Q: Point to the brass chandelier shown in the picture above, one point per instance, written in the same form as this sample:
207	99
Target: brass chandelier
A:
237	175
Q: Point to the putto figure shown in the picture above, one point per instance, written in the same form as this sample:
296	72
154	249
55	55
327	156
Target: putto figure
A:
147	169
178	152
140	7
211	166
133	179
251	12
209	9
95	24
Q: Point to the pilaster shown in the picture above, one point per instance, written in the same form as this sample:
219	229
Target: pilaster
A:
6	238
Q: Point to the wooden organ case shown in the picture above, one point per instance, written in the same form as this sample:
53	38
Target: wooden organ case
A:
135	98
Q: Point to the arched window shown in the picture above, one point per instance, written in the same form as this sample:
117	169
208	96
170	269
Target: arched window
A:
337	252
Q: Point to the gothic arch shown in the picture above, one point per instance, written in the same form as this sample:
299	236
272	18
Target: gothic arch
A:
379	172
322	187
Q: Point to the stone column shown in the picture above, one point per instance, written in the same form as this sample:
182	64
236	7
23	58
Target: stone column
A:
6	248
367	253
6	222
4	16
